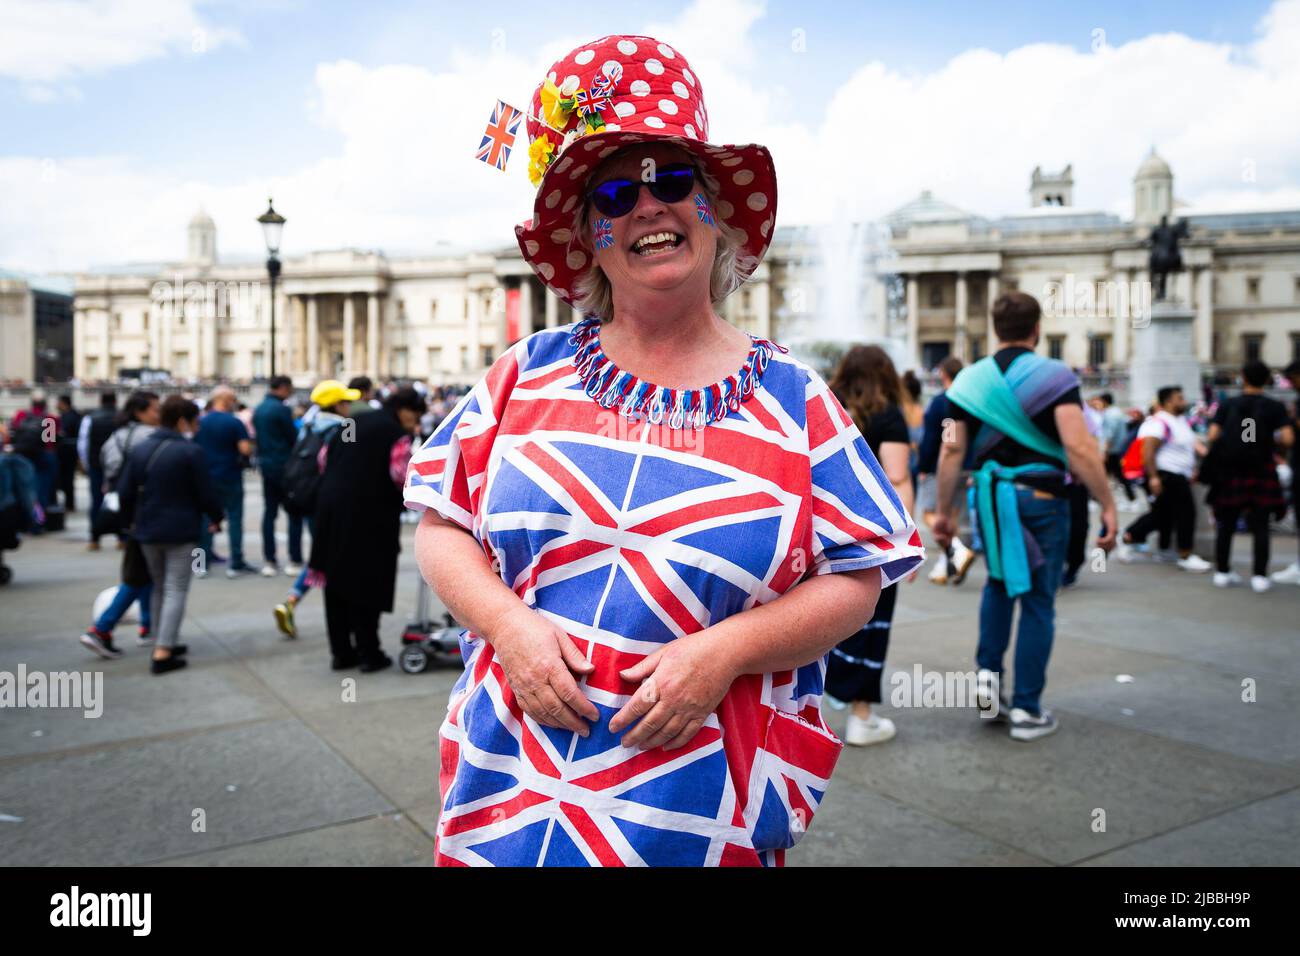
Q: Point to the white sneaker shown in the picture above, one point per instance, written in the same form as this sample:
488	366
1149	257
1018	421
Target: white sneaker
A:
1124	553
874	730
939	573
1226	579
1026	726
292	570
1195	564
1289	575
1259	584
962	559
269	570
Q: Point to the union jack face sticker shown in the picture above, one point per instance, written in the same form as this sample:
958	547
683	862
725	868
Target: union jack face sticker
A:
603	233
703	210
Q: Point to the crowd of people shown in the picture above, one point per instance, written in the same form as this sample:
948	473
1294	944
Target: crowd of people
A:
165	475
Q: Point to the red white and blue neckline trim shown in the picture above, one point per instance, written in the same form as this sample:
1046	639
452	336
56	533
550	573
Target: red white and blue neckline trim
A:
612	387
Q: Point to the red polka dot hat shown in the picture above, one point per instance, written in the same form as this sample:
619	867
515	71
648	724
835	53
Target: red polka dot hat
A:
609	93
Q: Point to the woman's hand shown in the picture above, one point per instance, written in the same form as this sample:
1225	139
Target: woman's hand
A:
682	683
540	661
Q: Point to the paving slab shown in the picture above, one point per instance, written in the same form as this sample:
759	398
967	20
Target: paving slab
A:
1041	797
1262	833
389	839
136	804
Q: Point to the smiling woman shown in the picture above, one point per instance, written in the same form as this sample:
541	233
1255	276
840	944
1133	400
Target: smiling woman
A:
647	618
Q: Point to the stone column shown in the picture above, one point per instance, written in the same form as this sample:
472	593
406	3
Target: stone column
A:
157	316
286	317
552	309
372	336
1122	318
914	320
990	337
1205	317
577	314
761	304
313	336
78	343
525	307
194	315
349	335
474	332
961	348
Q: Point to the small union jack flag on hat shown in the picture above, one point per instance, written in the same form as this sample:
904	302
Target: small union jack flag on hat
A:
499	136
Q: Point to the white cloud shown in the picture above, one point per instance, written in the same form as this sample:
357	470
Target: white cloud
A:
404	176
44	44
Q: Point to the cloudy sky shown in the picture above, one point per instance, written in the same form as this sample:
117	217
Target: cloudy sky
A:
120	118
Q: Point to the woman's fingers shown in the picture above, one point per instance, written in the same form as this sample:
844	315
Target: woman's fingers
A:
573	658
685	737
553	712
674	726
643	668
568	691
648	726
640	704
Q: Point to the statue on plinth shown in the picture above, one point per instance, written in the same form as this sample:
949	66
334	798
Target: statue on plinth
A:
1165	257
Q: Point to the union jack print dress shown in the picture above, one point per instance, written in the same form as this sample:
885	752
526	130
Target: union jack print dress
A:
631	515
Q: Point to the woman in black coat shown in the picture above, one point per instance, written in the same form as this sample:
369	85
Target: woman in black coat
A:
358	527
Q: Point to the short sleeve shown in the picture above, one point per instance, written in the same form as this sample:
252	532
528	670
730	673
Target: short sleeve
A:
447	473
1151	428
858	521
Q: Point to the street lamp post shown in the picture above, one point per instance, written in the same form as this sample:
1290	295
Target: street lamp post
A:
272	226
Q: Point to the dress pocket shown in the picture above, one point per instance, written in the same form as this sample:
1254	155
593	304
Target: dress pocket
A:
793	766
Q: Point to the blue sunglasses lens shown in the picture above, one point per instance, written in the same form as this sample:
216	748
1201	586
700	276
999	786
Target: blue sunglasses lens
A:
617	197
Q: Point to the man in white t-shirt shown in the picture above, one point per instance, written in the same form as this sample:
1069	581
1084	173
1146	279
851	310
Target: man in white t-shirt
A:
1169	450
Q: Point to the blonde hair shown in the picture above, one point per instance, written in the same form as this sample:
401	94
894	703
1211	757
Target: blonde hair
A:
593	293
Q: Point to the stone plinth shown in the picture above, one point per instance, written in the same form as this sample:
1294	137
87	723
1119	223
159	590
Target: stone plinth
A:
1164	353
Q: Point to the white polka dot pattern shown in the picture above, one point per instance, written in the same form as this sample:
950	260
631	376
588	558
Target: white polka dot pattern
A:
585	57
655	67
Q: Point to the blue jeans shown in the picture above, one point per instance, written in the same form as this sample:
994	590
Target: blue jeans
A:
121	601
1048	520
231	494
300	585
47	476
272	496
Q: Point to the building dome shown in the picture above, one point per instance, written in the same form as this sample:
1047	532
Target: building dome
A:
1153	190
202	239
1153	167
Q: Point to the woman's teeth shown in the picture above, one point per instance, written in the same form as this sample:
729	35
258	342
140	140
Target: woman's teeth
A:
657	243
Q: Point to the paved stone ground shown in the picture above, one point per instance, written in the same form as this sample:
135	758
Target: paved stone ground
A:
256	734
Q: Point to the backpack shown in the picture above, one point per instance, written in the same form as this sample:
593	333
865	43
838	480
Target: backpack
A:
1131	464
301	478
28	439
1230	455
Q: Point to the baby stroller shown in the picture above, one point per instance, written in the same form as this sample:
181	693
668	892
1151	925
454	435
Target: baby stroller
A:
427	643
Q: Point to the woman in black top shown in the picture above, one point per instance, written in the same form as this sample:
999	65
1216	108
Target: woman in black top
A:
357	531
1242	472
869	388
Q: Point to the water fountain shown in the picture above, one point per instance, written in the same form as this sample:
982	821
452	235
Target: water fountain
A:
841	293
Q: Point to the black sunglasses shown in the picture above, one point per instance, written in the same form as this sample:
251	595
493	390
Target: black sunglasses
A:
618	197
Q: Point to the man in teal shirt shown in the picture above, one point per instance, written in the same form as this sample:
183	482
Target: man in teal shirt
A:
276	433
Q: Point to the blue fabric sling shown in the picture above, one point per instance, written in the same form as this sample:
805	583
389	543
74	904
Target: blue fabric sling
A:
1005	404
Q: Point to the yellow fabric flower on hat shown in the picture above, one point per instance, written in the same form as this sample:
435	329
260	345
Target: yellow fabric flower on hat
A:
541	152
556	107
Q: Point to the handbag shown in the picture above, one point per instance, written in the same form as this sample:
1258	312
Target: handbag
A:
109	519
135	569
